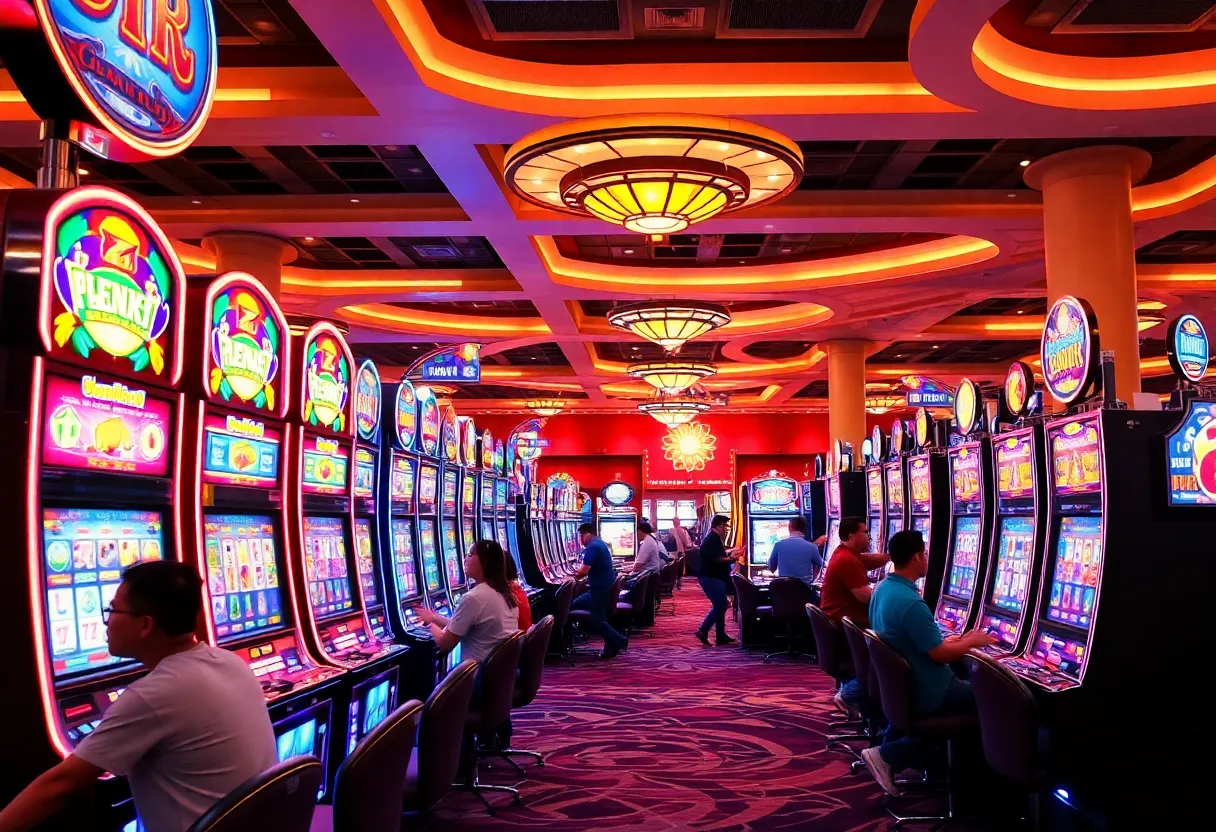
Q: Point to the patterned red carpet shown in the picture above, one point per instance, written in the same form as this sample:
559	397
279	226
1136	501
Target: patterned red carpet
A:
672	735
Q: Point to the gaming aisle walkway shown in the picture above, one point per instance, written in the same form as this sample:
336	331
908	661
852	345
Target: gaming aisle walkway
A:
671	736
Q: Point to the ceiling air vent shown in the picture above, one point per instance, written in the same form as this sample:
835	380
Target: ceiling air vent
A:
798	18
667	19
548	19
1135	16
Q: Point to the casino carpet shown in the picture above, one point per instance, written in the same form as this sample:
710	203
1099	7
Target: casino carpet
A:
672	735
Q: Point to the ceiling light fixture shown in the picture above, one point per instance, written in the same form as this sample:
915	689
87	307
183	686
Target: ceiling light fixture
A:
670	324
1024	163
653	174
881	404
672	376
545	407
673	410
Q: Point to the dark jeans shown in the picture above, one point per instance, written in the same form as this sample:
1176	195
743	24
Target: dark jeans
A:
598	602
903	752
854	696
715	591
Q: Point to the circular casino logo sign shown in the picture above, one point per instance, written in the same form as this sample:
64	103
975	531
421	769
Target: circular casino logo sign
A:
897	437
248	344
617	493
406	414
327	368
450	435
1187	346
967	406
1068	348
487	451
1017	387
367	400
922	425
144	69
428	421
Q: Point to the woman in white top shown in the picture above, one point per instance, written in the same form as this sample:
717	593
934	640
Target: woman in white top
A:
486	615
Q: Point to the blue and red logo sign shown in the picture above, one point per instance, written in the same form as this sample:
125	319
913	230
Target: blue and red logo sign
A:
1187	347
145	69
1067	349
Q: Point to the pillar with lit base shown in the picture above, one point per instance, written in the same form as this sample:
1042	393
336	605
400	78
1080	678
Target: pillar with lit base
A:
260	255
847	391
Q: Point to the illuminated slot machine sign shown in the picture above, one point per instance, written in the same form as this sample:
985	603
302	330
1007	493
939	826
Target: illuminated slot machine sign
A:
918	481
1191	455
768	496
895	498
1011	575
326	466
365	474
428	421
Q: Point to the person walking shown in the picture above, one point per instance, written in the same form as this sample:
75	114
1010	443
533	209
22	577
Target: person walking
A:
713	576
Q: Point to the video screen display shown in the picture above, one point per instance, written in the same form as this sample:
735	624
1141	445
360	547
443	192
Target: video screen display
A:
1076	465
1014	559
918	481
401	482
369	579
428	485
965	475
325	466
923	525
951	617
874	525
894	525
325	566
765	533
965	564
371	702
305	733
430	558
1074	586
84	551
376	706
1003	630
365	473
500	492
242	574
487	496
833	541
403	557
470	535
1015	467
1063	654
686	510
240	451
449	492
99	426
1190	458
874	490
619	534
452	559
468	495
895	487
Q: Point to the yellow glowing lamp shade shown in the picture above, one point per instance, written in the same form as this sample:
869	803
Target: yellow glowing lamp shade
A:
670	324
545	407
672	377
673	411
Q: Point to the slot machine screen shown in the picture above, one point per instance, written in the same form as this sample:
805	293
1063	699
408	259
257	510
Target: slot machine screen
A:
965	564
449	492
618	533
507	532
242	574
428	485
240	451
1014	552
1074	584
895	524
369	580
325	566
895	487
306	732
403	558
1063	654
325	466
874	491
84	551
401	482
833	541
430	558
1076	458
665	514
923	525
451	554
371	702
365	473
765	533
470	536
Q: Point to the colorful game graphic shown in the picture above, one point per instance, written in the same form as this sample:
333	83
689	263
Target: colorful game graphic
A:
401	486
248	345
375	708
145	71
327	376
1062	654
895	487
460	363
918	481
965	471
1076	457
99	426
1191	449
965	564
240	451
468	441
773	494
365	473
874	490
325	566
1078	567
1014	556
407	415
487	451
451	554
1017	387
242	574
1014	467
326	464
84	553
449	492
1067	349
428	419
430	560
451	435
764	535
117	284
367	400
365	562
428	488
403	558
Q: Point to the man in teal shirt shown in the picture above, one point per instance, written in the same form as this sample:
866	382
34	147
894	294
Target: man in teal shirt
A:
903	620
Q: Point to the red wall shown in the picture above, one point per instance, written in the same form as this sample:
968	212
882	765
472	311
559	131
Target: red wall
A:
594	472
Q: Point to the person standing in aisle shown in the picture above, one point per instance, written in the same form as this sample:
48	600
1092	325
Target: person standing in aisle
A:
713	576
597	568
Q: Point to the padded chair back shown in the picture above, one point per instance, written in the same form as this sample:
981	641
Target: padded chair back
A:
1009	719
497	676
371	780
441	732
667	577
790	597
830	644
281	798
748	594
895	682
561	604
532	661
855	637
652	593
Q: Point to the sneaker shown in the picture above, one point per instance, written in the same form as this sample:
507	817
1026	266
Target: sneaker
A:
702	637
841	705
610	652
723	641
880	770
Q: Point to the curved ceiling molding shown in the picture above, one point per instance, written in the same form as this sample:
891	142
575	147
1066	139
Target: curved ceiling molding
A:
386	318
757	368
887	264
716	89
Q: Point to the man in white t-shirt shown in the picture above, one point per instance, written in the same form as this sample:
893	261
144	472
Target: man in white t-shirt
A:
650	554
185	735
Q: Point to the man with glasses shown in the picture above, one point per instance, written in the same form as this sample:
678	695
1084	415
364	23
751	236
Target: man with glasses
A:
185	735
714	575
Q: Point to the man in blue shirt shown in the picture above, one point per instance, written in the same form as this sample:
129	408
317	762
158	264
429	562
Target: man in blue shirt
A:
597	568
796	557
903	620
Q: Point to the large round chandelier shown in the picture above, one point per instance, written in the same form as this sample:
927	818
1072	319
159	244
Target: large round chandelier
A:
672	376
674	410
545	407
670	324
653	174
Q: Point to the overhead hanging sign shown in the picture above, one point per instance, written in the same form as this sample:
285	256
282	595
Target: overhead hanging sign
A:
1018	382
459	364
1068	348
1187	347
968	407
927	392
143	69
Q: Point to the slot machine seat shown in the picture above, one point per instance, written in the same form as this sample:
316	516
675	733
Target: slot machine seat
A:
790	597
755	619
436	758
282	797
561	621
496	684
631	605
837	661
527	682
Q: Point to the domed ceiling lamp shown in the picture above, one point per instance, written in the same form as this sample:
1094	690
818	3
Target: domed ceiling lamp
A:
653	174
881	404
673	375
674	410
545	407
669	323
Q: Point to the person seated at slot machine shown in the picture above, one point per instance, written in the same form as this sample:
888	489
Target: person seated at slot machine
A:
650	557
486	614
795	556
903	620
598	569
185	735
521	597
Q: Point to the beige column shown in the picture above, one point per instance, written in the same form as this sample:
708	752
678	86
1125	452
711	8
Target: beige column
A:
1089	243
257	254
847	392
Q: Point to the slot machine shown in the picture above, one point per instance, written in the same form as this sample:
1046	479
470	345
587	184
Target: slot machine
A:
468	484
813	500
876	492
928	493
686	513
427	524
894	477
528	538
486	510
772	500
92	342
449	518
971	512
846	497
245	531
664	514
616	519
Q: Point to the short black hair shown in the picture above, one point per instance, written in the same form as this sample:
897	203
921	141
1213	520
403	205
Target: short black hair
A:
904	546
168	592
719	521
586	528
850	526
798	524
645	527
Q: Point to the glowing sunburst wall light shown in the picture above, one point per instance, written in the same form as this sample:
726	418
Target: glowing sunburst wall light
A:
689	447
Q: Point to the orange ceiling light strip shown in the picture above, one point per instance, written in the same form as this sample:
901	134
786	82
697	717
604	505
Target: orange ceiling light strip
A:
848	270
1084	83
1184	191
769	88
1172	277
395	319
